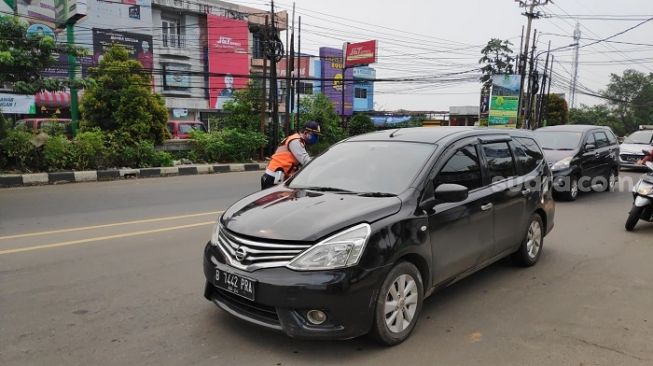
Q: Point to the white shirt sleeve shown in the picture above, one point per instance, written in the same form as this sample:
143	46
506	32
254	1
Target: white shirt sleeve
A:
298	150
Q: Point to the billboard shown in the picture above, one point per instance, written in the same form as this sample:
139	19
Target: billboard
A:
139	46
17	104
69	11
504	100
176	76
361	53
37	11
302	67
332	76
228	51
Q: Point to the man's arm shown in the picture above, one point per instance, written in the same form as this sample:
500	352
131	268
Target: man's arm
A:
298	150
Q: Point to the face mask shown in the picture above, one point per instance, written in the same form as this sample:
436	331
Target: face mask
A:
312	139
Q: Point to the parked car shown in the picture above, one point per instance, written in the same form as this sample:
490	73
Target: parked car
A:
582	157
630	151
356	240
36	125
183	129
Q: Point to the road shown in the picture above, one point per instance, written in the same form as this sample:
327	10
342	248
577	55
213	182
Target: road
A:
110	274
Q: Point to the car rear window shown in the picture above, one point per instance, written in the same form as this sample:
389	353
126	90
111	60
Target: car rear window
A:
190	127
500	163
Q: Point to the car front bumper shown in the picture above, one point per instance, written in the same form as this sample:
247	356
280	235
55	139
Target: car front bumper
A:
283	296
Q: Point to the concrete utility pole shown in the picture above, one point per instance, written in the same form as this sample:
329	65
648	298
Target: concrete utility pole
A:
574	72
530	14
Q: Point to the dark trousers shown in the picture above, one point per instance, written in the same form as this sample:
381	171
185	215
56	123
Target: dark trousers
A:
267	181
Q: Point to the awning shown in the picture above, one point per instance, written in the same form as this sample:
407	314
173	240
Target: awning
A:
59	99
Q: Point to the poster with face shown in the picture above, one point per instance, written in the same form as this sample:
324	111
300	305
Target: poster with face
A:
139	46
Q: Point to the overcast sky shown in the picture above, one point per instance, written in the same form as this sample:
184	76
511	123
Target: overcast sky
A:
424	39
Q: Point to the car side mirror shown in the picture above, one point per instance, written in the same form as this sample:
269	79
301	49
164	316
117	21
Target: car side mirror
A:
590	147
451	193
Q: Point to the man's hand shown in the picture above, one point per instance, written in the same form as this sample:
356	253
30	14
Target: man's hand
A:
640	162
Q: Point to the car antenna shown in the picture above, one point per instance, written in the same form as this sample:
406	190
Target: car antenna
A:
395	131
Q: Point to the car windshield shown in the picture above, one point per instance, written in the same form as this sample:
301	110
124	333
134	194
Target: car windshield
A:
371	167
190	127
639	137
558	140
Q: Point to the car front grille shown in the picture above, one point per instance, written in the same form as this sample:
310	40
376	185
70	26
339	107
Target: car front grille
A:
250	255
630	157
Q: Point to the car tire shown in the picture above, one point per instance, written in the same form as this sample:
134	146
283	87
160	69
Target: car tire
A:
530	250
392	307
610	182
574	190
633	217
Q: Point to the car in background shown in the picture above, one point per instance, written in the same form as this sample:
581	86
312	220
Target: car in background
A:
631	150
36	125
183	129
581	157
355	241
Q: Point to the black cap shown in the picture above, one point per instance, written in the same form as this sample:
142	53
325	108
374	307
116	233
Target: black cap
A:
312	126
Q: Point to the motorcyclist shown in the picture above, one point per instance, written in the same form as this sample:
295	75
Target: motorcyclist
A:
290	154
648	157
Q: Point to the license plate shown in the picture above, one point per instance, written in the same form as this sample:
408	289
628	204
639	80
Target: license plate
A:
235	284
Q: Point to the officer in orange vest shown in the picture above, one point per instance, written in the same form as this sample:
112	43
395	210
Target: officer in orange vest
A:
290	154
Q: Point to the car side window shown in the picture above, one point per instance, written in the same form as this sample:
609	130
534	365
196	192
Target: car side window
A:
500	163
590	140
601	139
612	138
528	154
462	168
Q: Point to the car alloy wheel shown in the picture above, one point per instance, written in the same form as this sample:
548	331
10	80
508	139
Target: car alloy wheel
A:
534	239
401	303
573	188
612	182
530	250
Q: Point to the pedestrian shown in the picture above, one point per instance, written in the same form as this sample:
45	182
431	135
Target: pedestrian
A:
290	155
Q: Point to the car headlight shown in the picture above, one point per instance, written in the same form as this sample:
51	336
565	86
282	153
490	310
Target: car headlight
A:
215	232
644	189
562	164
338	251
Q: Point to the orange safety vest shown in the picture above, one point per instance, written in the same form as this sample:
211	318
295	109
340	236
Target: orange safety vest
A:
283	158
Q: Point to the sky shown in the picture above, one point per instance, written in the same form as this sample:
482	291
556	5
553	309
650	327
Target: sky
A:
432	46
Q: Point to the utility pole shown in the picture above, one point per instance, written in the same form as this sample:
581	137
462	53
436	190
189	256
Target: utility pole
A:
344	72
532	83
274	51
287	89
530	14
574	72
264	105
72	74
543	89
299	63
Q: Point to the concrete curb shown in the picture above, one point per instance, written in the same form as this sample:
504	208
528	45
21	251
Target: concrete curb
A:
18	180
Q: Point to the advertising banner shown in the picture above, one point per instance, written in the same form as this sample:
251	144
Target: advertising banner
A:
176	76
504	100
17	104
228	47
333	79
37	12
361	53
302	67
139	46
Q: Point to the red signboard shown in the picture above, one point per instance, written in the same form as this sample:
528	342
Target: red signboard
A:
302	67
228	44
362	53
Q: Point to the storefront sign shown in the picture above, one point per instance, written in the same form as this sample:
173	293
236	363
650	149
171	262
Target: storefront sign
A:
17	104
361	53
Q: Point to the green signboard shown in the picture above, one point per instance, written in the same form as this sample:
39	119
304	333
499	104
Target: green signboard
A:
504	102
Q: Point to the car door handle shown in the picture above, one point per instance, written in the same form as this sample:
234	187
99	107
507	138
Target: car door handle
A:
487	207
526	192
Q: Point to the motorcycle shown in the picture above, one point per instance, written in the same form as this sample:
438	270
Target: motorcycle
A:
643	200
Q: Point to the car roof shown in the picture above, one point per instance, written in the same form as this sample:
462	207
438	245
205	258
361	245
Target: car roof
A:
436	134
571	128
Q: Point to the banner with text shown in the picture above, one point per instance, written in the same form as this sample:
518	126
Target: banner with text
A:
17	104
334	80
361	53
228	51
504	100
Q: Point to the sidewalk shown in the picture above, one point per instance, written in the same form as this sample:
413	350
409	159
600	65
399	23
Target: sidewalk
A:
17	180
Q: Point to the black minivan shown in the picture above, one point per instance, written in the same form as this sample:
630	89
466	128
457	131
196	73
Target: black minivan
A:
356	240
581	157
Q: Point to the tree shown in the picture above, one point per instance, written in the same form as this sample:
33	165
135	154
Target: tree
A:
599	115
360	124
120	99
319	108
497	59
630	97
557	111
244	111
23	58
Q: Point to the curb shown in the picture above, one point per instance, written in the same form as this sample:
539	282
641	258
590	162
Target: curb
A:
18	180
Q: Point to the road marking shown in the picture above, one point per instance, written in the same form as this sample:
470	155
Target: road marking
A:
100	238
83	228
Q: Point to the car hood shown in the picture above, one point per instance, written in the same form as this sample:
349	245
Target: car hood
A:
553	156
633	149
302	215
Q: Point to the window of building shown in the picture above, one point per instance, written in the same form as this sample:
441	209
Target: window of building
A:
171	32
257	45
360	93
499	161
462	168
304	88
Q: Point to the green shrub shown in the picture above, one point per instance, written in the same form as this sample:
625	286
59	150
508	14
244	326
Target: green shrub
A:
360	124
208	147
89	149
162	158
17	148
59	153
228	145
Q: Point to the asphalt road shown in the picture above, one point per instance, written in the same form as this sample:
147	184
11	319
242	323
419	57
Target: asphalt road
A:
110	274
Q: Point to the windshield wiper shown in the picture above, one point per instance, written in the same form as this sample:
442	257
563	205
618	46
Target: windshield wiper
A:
326	189
546	148
565	149
377	194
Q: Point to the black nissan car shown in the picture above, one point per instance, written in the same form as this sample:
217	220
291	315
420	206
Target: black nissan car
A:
357	239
